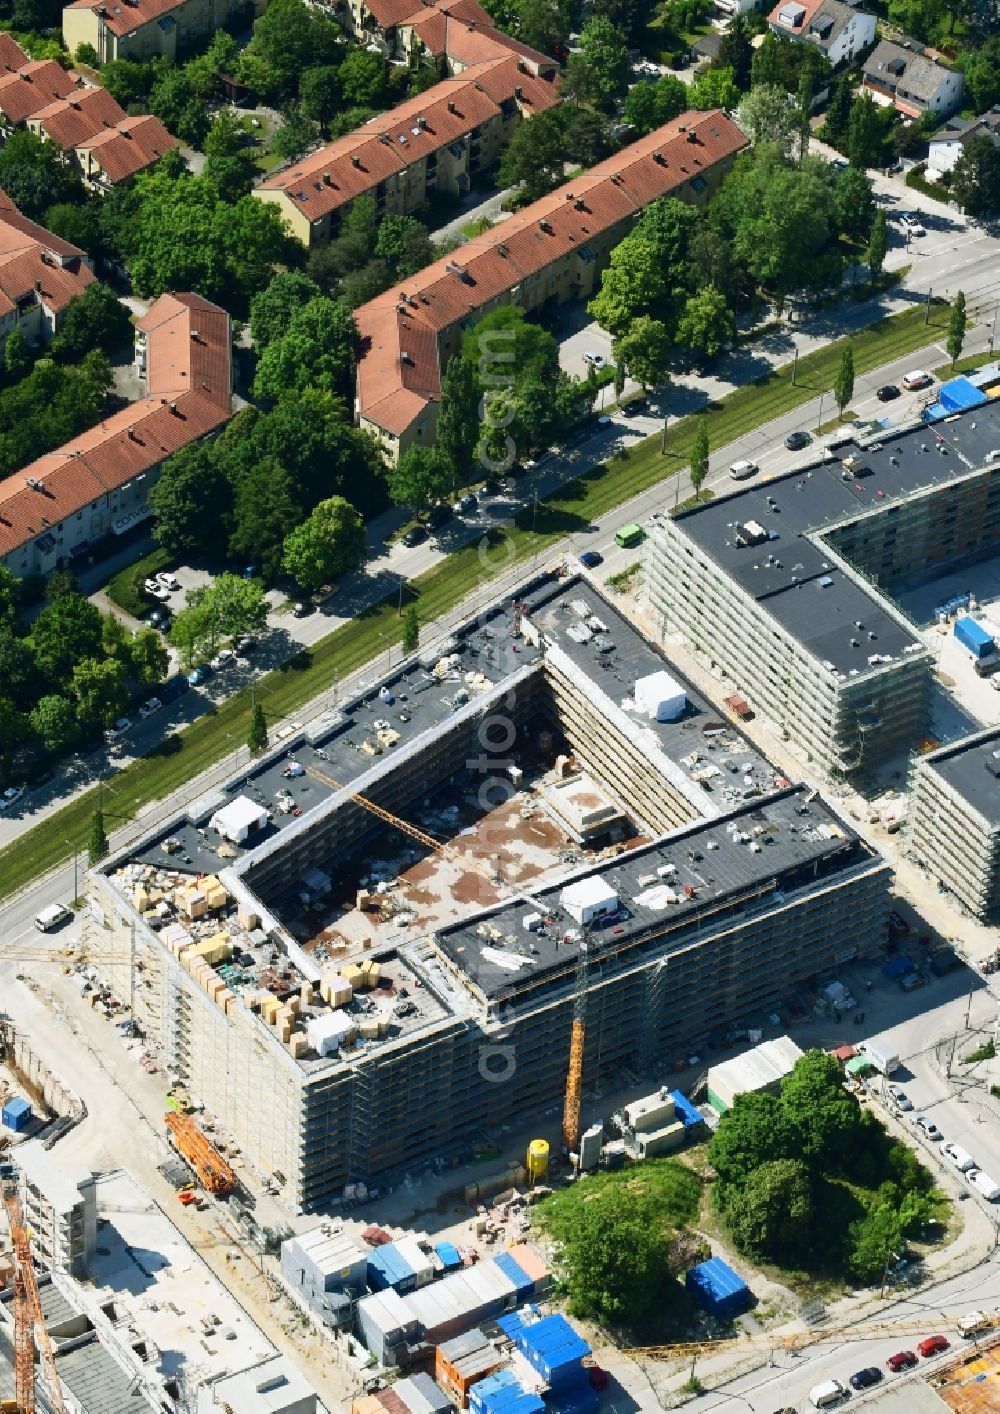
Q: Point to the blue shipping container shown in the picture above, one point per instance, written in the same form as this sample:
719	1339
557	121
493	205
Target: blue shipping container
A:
554	1349
515	1322
974	637
17	1114
690	1117
523	1284
387	1268
717	1288
448	1253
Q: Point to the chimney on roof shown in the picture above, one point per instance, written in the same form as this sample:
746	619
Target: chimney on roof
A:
328	179
73	103
546	226
38	287
659	159
194	335
452	106
124	131
173	408
692	135
355	160
580	205
131	435
518	91
421	121
405	357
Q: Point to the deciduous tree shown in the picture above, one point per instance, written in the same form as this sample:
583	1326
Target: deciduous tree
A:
331	541
64	633
458	420
96	319
644	352
148	659
54	722
421	476
878	242
265	506
272	310
767	114
316	351
411	629
707	323
714	88
772	1216
98	684
191	503
975	177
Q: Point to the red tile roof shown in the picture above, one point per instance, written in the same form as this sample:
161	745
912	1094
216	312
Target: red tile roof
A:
35	262
129	146
188	346
352	165
70	121
100	460
32	87
408	319
125	16
808	6
12	56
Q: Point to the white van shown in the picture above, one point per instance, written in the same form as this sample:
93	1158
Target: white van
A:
961	1158
739	471
985	1185
827	1394
52	916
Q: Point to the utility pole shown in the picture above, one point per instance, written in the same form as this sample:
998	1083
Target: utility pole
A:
795	361
663	438
968	1008
819	420
927	307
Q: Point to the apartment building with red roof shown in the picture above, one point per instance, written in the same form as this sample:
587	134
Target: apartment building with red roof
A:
461	32
97	485
551	252
143	29
435	142
39	275
34	85
115	154
71	120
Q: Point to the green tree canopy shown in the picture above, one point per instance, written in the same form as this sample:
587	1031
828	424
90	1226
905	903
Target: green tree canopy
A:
272	309
97	844
821	1115
650	105
34	175
64	633
421	476
317	350
644	351
99	686
331	541
264	510
714	88
97	319
772	1216
458	420
706	324
616	1259
767	114
975	177
534	158
191	503
54	723
753	1132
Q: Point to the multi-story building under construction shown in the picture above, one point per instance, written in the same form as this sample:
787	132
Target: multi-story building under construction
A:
363	952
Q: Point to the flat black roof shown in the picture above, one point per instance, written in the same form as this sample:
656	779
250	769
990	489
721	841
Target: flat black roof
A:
817	603
972	768
755	857
423	694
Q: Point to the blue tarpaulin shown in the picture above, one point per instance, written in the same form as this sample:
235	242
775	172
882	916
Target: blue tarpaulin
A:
958	395
689	1116
898	966
717	1288
387	1268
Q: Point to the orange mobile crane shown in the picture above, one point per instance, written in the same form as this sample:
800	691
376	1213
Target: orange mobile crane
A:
29	1322
213	1172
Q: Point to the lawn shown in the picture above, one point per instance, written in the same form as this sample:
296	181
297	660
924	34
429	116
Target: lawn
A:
964	365
586	499
674	1187
477	227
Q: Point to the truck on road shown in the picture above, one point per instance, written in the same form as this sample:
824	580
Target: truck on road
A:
882	1057
975	1323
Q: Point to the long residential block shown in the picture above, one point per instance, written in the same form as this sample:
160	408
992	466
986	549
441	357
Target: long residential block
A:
953	823
436	142
784	588
143	29
551	252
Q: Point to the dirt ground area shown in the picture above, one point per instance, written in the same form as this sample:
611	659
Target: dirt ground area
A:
487	855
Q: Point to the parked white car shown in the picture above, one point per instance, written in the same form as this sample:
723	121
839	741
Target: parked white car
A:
10	796
983	1184
151	705
910	223
169	581
961	1158
118	730
154	587
222	659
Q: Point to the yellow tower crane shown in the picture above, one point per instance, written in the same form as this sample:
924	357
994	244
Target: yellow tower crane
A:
29	1320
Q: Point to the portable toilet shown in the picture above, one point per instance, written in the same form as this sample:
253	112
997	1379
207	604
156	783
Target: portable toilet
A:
16	1114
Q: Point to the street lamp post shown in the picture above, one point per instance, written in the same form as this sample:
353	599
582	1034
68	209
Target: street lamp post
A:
819	420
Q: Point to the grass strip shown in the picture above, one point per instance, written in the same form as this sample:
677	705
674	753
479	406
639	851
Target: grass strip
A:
185	755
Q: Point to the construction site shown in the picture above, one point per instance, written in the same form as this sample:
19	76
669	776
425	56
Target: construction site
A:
530	861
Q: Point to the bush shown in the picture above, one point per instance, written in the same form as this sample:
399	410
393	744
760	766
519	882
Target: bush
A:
125	588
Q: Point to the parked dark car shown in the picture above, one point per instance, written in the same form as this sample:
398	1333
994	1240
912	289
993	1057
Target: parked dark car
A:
416	535
902	1360
439	515
887	393
864	1379
590	559
795	441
